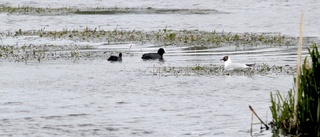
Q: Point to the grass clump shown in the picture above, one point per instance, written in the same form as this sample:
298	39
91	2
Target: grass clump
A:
308	112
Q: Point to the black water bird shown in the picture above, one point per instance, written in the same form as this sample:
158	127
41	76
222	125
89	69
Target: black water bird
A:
115	58
158	55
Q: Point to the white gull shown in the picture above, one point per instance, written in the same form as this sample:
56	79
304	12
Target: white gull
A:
228	65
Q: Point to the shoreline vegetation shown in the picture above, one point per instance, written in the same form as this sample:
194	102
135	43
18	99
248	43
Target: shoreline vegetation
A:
299	113
308	116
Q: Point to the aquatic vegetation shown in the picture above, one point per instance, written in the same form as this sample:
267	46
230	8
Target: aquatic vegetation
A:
149	10
14	53
26	10
308	116
218	70
193	38
36	10
198	67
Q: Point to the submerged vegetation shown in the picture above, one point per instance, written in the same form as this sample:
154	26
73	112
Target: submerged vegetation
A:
308	116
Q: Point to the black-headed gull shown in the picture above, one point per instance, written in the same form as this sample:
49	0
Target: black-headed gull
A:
234	66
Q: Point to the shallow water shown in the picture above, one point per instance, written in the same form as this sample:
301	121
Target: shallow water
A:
94	97
126	99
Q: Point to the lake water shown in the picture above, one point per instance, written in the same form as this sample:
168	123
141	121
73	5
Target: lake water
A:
249	16
94	97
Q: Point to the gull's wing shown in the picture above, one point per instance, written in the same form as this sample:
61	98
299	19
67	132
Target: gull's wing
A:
236	66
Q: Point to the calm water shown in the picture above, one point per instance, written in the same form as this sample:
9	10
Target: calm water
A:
99	98
249	16
125	99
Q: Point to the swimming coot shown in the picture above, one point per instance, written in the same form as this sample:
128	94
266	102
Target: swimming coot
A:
115	58
157	55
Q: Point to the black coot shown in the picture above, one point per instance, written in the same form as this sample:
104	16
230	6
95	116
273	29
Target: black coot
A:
115	58
157	55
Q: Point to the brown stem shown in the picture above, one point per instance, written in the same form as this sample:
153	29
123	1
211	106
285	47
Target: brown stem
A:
267	127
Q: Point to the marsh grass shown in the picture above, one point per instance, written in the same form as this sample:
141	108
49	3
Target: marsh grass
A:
308	116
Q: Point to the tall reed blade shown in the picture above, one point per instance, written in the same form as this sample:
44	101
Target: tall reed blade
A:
298	72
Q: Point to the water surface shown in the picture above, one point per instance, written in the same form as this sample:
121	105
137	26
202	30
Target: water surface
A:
93	97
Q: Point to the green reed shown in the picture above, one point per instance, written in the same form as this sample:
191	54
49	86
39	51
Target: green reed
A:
308	117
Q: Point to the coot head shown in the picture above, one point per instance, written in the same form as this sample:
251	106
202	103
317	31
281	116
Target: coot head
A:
161	51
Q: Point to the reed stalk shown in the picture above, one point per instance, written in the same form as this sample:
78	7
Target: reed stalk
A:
305	119
298	72
299	113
